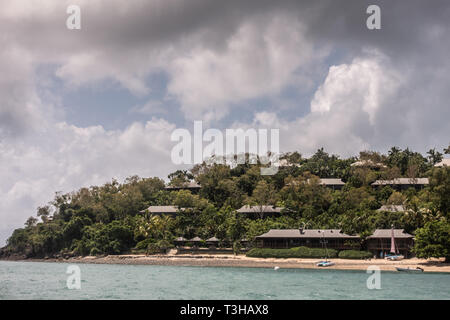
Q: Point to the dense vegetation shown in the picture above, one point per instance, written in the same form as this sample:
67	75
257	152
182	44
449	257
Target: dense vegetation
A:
106	219
304	252
354	254
297	252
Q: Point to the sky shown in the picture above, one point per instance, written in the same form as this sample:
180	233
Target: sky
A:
81	107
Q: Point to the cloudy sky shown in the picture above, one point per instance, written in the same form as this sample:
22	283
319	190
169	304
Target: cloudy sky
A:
79	107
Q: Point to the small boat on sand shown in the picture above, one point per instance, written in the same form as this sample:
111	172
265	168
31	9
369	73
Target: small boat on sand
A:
417	269
394	257
325	264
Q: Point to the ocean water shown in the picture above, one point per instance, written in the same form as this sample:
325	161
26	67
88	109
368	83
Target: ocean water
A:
40	280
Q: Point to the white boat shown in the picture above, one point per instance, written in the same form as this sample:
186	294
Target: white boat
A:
325	263
395	257
417	269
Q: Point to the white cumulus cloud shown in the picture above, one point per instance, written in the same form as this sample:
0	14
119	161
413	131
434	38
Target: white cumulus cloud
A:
65	157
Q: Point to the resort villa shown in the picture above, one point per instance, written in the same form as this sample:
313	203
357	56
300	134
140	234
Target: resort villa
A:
379	243
312	238
161	210
192	186
402	183
335	184
254	212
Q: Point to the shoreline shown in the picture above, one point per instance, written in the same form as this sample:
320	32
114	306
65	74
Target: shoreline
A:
430	265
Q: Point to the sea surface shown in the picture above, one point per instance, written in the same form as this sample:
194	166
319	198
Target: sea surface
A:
41	280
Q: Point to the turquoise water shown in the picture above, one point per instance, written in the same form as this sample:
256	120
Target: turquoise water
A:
39	280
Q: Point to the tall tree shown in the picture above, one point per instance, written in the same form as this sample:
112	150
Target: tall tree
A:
31	222
440	189
447	150
433	240
263	195
434	156
44	213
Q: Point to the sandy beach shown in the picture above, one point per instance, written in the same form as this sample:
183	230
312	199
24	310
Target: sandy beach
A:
430	265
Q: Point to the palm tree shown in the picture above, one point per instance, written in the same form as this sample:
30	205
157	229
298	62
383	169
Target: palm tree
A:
447	150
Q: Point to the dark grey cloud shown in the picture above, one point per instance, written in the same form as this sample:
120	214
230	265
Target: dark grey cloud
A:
127	40
112	24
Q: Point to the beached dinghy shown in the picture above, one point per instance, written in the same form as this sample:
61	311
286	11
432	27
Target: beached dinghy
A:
394	257
418	269
325	264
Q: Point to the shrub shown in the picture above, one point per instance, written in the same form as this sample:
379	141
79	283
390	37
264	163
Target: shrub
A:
354	254
80	247
322	253
297	252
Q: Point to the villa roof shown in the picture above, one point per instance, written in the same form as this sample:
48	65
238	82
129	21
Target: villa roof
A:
402	181
258	209
180	239
331	182
386	233
161	209
196	239
213	239
392	208
444	162
306	233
